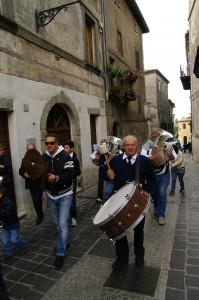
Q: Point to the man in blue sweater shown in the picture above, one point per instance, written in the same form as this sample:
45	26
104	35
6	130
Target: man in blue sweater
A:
123	169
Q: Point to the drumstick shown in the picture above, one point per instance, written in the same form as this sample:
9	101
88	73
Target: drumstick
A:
107	162
104	150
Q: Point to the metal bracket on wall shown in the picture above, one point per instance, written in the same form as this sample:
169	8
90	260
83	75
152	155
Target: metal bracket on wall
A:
44	17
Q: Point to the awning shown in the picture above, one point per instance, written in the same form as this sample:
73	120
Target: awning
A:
196	65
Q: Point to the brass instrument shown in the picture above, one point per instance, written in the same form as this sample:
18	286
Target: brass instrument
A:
113	145
1	224
160	147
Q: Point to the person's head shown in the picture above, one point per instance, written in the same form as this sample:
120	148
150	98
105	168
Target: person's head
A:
154	134
176	148
30	146
2	149
51	142
2	190
69	147
130	145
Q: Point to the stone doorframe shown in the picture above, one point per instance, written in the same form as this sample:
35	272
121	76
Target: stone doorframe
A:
63	100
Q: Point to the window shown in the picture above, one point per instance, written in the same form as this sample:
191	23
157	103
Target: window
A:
93	130
135	27
184	126
139	105
119	43
137	61
89	41
159	85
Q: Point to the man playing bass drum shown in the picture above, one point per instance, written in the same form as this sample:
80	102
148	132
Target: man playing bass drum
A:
123	169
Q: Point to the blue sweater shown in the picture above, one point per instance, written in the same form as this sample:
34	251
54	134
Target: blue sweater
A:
127	172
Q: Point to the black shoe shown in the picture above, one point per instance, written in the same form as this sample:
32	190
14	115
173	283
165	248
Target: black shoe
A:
118	264
139	262
59	261
24	250
6	256
171	194
39	220
181	191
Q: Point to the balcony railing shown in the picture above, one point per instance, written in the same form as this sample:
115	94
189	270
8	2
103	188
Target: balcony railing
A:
185	76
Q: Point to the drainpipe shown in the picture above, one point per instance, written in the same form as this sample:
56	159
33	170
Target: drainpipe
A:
104	45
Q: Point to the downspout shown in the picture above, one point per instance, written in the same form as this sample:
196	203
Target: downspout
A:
105	51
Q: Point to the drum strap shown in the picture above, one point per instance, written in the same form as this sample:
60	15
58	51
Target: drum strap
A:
137	170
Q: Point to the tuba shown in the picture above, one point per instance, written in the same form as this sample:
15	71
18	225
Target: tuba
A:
113	147
161	148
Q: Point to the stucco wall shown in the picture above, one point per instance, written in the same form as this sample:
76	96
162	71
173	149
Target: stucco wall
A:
194	43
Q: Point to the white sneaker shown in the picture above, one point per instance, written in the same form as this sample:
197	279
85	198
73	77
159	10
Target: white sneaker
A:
73	222
99	200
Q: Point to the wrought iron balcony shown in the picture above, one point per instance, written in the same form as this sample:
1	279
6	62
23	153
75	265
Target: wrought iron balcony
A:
185	76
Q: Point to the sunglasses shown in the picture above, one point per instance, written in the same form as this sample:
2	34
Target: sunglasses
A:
50	143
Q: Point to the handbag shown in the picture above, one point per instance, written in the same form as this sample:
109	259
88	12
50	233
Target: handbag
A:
181	170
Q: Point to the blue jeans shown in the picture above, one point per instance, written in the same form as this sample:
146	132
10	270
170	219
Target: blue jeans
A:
60	209
11	236
109	187
159	193
73	209
174	176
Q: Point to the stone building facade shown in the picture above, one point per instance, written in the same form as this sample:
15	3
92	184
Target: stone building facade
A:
53	78
184	131
193	63
124	27
159	107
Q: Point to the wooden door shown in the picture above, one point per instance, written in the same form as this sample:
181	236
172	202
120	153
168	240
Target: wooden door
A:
4	139
59	123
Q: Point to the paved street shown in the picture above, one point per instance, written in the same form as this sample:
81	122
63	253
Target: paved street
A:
171	268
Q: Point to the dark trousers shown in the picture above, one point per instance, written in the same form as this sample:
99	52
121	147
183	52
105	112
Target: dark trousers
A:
100	191
36	194
122	248
3	290
73	208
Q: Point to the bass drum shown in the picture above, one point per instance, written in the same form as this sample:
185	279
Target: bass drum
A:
123	211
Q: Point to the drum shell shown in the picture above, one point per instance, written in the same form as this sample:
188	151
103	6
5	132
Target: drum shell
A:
128	217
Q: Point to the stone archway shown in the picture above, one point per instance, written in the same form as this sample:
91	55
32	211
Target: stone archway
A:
63	101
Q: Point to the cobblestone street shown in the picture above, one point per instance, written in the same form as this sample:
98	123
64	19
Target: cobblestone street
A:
171	268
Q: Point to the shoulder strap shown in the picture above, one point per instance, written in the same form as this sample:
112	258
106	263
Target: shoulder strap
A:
137	169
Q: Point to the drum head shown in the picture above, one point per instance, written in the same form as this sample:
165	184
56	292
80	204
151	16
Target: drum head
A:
114	204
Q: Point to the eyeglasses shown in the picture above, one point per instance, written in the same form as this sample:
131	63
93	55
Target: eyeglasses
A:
50	143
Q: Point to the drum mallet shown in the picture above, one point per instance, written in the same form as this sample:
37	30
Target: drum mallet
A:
103	149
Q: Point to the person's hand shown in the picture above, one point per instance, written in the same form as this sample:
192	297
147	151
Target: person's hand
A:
26	175
110	174
155	157
170	155
2	167
51	178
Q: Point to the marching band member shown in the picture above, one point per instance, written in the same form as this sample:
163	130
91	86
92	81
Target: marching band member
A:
122	169
34	185
160	155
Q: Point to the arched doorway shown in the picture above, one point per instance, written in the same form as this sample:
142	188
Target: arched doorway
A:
4	139
116	130
59	123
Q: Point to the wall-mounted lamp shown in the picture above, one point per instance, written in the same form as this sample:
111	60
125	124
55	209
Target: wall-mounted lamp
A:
44	17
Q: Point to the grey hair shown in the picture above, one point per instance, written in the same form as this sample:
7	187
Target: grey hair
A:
128	137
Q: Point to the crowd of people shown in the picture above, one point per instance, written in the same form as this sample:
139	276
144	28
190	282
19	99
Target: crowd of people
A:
151	169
